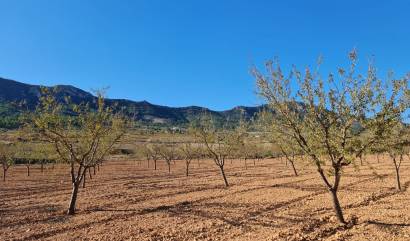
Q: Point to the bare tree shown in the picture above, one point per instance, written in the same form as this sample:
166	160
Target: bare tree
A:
82	139
326	116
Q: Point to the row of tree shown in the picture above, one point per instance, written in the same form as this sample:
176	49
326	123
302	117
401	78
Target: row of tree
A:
328	121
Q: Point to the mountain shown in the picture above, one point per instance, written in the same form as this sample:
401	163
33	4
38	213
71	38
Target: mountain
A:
16	92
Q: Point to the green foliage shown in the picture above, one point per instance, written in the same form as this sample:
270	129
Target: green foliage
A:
85	137
321	116
7	155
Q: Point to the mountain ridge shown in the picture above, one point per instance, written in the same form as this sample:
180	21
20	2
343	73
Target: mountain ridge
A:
12	91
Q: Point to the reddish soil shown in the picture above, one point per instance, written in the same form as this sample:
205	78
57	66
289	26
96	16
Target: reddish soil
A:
127	201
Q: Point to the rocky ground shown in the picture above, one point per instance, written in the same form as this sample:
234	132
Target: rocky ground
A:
128	201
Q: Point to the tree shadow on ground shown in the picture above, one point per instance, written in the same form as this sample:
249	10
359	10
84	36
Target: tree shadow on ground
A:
383	224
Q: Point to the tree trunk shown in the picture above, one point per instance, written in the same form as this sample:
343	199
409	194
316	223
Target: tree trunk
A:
89	172
4	174
28	170
155	164
378	159
224	176
187	169
94	170
336	206
148	163
169	167
361	161
84	176
398	178
397	169
98	167
246	165
254	162
293	167
73	199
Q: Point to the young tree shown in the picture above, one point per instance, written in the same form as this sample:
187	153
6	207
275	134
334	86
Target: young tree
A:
288	148
25	152
6	158
219	144
169	153
326	117
249	151
146	151
43	153
189	152
81	139
288	151
395	142
155	152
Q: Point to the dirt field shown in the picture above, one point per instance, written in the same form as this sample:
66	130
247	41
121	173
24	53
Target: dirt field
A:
127	201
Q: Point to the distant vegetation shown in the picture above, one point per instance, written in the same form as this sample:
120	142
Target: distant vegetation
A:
16	97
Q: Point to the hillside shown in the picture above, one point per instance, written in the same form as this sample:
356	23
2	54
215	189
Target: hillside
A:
12	92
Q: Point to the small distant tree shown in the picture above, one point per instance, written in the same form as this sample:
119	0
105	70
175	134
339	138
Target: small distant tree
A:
6	158
169	153
377	149
82	139
146	151
287	147
289	153
201	153
247	151
396	142
155	152
189	152
25	153
325	117
219	143
43	153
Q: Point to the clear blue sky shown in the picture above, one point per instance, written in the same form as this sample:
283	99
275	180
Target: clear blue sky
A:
189	52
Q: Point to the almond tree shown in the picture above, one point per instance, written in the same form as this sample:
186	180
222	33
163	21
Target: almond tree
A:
396	141
146	151
6	158
189	152
155	153
249	151
325	116
289	152
169	153
287	147
43	153
220	144
25	152
81	139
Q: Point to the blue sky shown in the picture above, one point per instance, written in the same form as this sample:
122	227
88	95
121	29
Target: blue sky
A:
188	52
